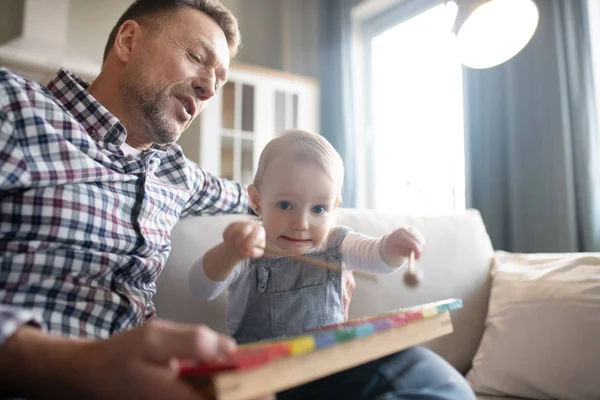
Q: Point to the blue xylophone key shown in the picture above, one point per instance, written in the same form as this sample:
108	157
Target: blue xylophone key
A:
449	305
324	339
364	330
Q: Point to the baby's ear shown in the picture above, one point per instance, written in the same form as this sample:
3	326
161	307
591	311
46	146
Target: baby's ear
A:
254	198
338	201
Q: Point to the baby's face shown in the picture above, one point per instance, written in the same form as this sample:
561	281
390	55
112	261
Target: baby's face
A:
297	200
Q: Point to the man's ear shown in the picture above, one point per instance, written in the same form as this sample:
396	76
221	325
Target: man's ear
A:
254	198
127	36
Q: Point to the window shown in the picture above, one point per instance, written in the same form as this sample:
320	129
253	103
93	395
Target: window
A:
415	157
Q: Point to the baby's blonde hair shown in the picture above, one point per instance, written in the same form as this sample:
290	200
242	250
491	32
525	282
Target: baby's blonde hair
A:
301	145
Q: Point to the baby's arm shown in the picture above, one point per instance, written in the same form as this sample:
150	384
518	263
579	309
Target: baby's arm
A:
381	255
362	252
203	287
241	240
214	271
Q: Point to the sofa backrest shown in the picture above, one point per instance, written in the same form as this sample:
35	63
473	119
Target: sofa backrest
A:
455	263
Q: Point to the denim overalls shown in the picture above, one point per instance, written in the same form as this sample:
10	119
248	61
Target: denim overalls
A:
288	297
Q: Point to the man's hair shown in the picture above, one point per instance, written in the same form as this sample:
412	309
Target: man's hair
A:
298	145
145	10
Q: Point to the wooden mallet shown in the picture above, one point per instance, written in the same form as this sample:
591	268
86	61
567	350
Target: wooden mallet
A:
413	276
318	263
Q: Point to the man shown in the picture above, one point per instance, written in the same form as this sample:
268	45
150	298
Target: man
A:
91	184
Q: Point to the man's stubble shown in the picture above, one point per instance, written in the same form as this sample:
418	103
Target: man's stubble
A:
148	109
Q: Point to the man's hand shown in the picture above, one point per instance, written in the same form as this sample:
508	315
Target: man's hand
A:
348	286
139	364
142	363
245	238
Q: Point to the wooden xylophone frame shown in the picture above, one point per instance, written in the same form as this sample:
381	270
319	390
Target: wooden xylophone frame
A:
254	372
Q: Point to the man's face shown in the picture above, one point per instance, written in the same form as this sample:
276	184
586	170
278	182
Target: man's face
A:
172	73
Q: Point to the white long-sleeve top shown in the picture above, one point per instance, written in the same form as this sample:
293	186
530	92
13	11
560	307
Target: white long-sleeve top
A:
359	252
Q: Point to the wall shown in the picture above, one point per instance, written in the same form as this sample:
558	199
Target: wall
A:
10	19
301	31
260	25
279	34
90	23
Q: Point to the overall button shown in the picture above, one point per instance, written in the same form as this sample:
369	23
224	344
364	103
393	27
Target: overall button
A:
333	261
263	274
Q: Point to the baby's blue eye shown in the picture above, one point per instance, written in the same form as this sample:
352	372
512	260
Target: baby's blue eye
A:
318	209
284	205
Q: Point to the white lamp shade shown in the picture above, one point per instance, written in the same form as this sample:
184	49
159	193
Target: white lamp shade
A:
491	32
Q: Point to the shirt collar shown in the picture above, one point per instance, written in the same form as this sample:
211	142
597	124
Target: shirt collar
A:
71	92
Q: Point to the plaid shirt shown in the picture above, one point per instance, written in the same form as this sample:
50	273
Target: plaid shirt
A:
84	229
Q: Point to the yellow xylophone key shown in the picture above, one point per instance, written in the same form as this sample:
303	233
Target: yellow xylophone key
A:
302	344
429	311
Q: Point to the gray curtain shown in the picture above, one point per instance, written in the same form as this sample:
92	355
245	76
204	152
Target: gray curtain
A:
336	92
533	165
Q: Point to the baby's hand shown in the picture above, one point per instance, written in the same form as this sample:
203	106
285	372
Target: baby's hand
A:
245	238
398	245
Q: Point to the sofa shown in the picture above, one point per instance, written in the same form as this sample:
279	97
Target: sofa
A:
457	263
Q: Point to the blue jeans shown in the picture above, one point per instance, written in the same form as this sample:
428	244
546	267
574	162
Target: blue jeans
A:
412	374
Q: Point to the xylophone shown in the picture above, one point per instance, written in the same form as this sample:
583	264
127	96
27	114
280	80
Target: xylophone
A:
273	365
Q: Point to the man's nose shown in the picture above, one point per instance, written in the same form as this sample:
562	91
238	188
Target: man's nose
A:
204	87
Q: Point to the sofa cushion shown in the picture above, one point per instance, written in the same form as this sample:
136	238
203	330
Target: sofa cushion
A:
455	263
541	337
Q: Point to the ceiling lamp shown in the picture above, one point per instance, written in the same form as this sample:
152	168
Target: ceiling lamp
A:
490	32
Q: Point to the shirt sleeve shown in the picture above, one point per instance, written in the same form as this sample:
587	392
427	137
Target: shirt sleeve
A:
13	170
361	252
202	287
212	195
12	318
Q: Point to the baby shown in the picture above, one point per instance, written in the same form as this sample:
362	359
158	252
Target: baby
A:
295	193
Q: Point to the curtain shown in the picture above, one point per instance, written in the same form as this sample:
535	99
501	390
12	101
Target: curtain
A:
532	146
335	84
